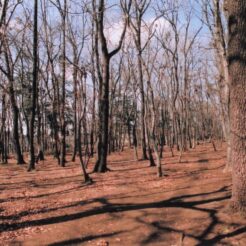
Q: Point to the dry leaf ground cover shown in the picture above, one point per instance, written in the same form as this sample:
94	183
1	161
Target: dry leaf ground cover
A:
127	206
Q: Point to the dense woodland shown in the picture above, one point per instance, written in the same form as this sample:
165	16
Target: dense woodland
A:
85	78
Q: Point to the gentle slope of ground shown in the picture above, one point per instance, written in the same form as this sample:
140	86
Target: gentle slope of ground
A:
127	206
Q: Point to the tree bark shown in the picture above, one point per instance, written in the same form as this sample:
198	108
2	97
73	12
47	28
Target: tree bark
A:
63	99
15	111
101	165
237	66
75	131
34	88
3	132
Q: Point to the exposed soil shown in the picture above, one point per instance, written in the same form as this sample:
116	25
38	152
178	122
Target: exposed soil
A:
128	206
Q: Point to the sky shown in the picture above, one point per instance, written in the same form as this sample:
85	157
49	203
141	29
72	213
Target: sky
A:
114	23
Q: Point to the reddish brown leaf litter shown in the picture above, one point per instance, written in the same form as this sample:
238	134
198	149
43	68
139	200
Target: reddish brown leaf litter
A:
127	206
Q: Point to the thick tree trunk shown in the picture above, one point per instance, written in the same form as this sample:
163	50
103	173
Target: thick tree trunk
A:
101	164
237	66
15	111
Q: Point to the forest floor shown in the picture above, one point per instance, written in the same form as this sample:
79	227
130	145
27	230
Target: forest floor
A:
127	206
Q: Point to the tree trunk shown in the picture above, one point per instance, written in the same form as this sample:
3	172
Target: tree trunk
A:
63	99
135	143
40	130
103	77
93	114
15	111
101	164
143	130
87	178
3	131
34	88
75	147
237	66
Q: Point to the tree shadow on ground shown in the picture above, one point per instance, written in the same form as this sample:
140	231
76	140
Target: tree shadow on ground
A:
80	203
202	238
28	182
107	207
122	161
220	237
203	161
12	199
76	241
198	171
22	214
159	229
130	169
190	201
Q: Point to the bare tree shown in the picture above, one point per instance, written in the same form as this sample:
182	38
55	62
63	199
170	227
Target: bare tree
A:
8	71
34	87
140	8
104	76
214	19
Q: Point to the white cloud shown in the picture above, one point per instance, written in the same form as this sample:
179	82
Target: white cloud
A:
114	31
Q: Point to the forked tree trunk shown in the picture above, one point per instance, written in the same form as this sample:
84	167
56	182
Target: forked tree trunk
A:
104	76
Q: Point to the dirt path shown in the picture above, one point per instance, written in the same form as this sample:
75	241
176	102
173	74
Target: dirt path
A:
128	206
